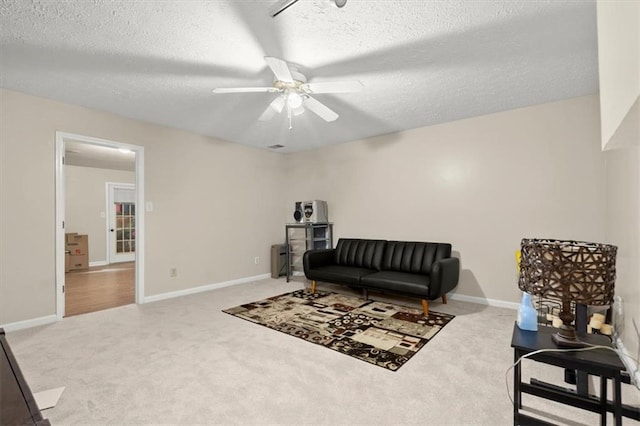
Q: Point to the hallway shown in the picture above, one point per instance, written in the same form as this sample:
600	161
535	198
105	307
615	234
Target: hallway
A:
99	287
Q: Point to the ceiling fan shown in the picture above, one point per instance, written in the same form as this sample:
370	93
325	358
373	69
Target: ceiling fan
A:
282	5
295	92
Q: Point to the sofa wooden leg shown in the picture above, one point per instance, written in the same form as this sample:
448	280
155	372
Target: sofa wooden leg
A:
425	307
444	299
313	286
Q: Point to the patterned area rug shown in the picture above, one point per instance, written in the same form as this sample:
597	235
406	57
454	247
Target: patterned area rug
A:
383	334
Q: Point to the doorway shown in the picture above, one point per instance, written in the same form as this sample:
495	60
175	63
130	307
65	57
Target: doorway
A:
113	260
99	287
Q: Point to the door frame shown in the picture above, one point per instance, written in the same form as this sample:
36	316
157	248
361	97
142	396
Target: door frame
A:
61	137
110	187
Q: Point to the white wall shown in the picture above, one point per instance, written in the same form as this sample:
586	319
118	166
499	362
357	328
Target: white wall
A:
216	204
619	69
619	72
481	184
85	200
623	230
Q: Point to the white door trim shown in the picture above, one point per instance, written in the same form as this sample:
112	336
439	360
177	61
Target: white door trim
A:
60	213
110	223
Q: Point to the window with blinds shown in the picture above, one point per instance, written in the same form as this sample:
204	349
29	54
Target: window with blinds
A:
125	227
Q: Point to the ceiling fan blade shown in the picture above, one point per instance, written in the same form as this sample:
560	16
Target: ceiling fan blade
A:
333	87
281	6
322	110
267	114
278	104
279	68
244	89
274	107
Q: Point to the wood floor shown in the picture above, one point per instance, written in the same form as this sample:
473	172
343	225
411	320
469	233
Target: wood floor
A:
99	287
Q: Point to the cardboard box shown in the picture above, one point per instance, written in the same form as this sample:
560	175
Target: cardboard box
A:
77	244
66	261
78	261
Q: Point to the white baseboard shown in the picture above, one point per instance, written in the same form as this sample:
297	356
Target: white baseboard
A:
98	263
19	325
200	289
484	301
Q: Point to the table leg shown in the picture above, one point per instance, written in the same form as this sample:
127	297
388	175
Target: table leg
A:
517	378
617	399
603	401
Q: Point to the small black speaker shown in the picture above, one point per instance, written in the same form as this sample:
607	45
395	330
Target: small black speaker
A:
298	214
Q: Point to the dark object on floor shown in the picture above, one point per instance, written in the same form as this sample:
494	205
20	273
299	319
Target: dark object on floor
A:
379	333
416	269
17	405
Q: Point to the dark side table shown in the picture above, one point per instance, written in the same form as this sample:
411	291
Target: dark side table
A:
598	362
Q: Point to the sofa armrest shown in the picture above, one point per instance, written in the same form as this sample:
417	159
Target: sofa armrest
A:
444	277
316	258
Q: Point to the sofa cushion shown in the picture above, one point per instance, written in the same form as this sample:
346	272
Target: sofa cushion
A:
413	257
400	282
360	253
338	274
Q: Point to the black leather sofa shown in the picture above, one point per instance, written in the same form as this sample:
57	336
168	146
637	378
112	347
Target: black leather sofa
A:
417	269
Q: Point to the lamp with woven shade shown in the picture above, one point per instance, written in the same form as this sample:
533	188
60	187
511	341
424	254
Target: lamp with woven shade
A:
568	271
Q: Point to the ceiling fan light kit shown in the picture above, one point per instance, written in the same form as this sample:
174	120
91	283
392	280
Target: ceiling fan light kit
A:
294	99
295	92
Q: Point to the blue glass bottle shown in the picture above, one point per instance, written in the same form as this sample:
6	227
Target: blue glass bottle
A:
527	315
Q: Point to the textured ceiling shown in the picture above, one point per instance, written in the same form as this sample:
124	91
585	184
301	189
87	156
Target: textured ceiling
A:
421	62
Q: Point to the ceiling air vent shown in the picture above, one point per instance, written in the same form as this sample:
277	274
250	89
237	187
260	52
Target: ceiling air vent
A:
278	146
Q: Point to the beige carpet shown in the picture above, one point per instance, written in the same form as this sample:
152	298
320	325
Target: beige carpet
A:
183	361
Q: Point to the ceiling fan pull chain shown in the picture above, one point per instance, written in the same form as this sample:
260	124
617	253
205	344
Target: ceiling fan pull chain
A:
289	115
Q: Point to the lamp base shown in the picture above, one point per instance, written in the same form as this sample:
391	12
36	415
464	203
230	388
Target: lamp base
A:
566	338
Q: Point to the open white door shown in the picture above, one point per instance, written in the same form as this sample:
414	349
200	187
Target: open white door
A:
121	232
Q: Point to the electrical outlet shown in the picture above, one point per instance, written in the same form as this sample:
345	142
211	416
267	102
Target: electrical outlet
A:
256	260
173	272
